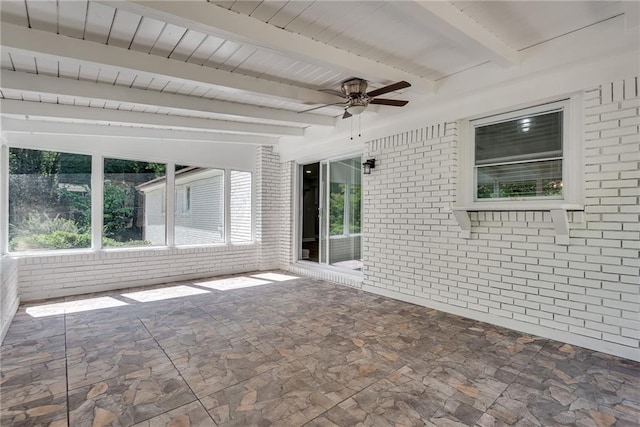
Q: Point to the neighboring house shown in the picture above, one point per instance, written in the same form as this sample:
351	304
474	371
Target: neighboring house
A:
199	207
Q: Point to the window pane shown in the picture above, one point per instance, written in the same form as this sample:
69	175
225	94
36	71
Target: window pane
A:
336	207
240	206
199	206
133	203
355	211
345	213
534	179
525	138
49	200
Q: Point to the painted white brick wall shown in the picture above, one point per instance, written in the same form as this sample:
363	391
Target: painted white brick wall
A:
286	214
268	207
511	272
9	299
59	275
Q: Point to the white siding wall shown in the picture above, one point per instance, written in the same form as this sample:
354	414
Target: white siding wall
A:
511	272
8	293
240	206
154	217
203	222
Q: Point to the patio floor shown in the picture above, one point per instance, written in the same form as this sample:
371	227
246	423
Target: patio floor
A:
270	348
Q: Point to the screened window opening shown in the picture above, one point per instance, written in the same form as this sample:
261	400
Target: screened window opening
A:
521	157
133	214
49	200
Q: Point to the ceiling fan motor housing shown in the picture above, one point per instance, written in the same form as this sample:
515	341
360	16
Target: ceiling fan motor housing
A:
354	88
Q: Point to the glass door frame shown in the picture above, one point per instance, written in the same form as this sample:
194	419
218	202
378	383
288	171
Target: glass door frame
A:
324	217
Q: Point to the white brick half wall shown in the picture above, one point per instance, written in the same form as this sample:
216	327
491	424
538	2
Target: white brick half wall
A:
511	272
9	299
59	275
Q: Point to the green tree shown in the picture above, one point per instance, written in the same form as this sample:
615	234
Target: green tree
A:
119	202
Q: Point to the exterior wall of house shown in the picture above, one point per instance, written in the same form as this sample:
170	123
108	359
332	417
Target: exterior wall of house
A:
241	206
9	298
203	221
154	222
511	272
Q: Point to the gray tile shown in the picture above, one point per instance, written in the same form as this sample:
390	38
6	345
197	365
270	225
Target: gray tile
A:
299	352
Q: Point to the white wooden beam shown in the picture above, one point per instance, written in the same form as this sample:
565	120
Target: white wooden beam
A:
444	17
18	39
218	21
30	126
41	84
104	115
631	14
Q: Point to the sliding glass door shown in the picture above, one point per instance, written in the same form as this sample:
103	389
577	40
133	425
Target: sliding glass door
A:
335	216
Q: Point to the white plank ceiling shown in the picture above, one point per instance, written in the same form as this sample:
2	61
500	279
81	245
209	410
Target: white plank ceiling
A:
251	71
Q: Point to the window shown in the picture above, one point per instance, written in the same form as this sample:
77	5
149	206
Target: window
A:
49	200
531	155
199	217
133	200
240	206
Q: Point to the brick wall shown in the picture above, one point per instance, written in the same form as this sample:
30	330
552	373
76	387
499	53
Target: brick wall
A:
286	213
59	275
8	293
268	206
511	272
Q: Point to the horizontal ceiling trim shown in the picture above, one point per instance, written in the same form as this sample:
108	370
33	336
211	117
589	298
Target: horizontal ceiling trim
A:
12	125
105	115
32	83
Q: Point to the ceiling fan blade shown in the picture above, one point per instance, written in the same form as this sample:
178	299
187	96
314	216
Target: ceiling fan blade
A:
321	106
391	102
333	92
346	114
390	88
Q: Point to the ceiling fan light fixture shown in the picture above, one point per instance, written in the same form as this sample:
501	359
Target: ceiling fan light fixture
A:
354	110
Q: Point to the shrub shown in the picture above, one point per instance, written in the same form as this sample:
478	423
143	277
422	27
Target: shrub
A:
64	240
56	240
43	224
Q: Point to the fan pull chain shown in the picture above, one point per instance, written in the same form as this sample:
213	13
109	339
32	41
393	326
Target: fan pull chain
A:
360	126
351	128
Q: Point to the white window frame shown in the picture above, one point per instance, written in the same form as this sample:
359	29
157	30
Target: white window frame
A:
572	162
97	201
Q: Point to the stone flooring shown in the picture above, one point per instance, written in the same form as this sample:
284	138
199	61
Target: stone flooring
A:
293	352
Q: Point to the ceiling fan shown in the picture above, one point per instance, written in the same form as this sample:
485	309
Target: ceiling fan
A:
357	99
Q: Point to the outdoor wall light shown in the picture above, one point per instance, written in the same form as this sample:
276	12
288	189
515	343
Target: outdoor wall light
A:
368	165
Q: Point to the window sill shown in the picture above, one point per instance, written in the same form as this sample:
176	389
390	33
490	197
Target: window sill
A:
558	210
110	250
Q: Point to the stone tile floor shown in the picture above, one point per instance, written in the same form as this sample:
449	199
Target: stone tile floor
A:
293	352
